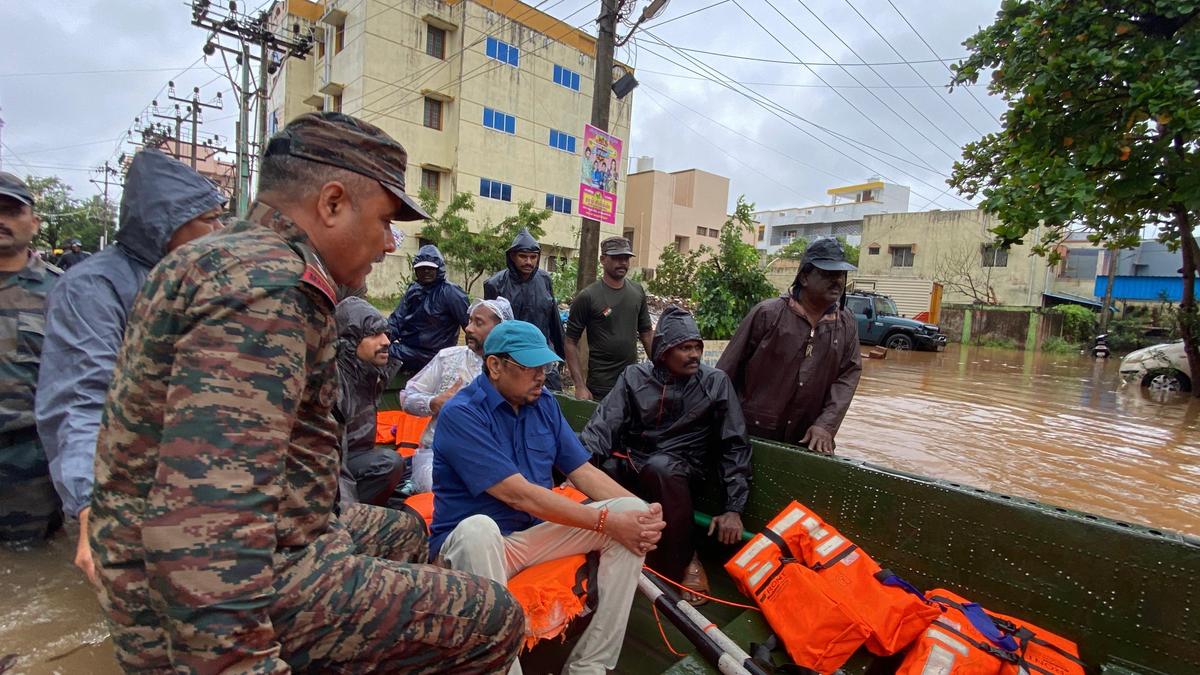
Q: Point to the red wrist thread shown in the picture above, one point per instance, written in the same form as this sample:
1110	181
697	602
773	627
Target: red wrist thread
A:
602	519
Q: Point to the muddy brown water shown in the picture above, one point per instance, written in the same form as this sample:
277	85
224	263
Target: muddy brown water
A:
1056	428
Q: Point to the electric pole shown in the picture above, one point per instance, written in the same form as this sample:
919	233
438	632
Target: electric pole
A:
602	83
105	172
194	106
248	31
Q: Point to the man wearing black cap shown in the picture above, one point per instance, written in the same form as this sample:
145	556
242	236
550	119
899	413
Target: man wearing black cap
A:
74	255
214	523
794	360
29	508
614	314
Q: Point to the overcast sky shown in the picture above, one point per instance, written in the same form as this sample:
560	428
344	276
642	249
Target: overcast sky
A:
75	73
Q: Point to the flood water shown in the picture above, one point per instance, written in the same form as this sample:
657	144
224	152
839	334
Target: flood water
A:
1056	428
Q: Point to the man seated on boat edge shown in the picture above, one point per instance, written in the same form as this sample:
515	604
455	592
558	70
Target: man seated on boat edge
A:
448	372
215	523
668	424
498	442
370	474
809	337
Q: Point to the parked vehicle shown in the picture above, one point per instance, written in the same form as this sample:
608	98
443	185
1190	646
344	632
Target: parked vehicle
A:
880	323
1159	367
1100	346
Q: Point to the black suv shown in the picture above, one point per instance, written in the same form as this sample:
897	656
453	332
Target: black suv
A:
880	324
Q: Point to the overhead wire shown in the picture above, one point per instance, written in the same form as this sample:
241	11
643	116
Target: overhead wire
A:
934	52
911	67
839	94
89	72
682	16
745	57
796	85
937	127
780	112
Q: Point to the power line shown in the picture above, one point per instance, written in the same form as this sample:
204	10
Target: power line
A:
911	67
89	72
915	109
934	52
681	16
779	111
795	85
744	57
839	94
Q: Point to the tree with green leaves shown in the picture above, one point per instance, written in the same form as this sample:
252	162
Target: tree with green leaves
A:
731	282
1102	128
793	250
675	275
851	250
65	216
475	253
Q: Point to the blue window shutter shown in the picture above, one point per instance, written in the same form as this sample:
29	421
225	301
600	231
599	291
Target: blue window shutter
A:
558	74
553	138
549	201
491	47
488	115
571	144
501	51
496	189
506	192
514	56
510	124
575	81
483	187
567	203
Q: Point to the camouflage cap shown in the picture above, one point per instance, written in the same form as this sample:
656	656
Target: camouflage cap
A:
616	246
351	144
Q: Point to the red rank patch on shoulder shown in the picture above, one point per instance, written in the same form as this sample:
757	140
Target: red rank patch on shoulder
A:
314	278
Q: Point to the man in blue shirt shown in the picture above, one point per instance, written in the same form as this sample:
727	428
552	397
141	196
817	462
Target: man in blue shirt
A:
494	513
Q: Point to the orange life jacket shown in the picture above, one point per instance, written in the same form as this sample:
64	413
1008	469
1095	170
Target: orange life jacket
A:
824	596
967	640
399	428
552	593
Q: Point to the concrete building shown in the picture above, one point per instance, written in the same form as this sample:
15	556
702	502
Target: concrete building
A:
684	209
1148	273
954	248
842	217
489	97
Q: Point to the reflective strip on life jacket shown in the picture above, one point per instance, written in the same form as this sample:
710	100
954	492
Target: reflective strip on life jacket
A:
818	589
987	643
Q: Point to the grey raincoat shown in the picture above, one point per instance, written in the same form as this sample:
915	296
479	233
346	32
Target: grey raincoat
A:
697	420
87	311
374	473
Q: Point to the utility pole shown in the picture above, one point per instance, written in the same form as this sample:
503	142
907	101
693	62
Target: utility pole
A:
194	106
589	233
105	172
1106	310
248	31
602	90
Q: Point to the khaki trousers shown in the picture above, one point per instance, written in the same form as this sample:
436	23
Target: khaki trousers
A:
477	546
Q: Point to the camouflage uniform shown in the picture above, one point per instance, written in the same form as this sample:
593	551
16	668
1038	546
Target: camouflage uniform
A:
29	507
213	520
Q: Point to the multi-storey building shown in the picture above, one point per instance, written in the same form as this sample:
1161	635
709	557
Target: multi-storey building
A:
489	97
842	217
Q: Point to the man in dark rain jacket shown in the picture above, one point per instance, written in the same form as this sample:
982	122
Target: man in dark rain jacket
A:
794	360
668	423
429	317
362	356
165	205
531	293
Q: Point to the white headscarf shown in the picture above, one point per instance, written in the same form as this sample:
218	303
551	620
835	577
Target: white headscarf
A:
500	307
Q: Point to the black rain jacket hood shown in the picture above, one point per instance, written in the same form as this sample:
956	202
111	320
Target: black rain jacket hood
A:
533	298
429	317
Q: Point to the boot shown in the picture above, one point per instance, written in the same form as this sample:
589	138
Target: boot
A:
695	578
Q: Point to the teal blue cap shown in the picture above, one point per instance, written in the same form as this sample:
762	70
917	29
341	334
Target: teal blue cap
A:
522	341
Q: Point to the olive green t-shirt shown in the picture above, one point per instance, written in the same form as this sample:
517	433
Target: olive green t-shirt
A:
613	318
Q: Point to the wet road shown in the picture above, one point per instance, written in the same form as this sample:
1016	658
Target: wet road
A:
1056	428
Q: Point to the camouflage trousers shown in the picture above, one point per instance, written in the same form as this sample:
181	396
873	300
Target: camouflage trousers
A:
354	601
30	510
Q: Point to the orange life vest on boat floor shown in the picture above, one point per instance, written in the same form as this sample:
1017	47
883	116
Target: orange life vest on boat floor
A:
396	427
552	593
823	596
967	640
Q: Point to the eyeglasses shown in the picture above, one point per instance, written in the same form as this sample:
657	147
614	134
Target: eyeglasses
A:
529	370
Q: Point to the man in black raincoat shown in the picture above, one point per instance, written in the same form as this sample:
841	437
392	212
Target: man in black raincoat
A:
531	294
362	357
667	424
429	317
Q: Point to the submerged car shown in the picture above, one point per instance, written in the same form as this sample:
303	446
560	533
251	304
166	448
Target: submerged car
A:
1160	367
880	323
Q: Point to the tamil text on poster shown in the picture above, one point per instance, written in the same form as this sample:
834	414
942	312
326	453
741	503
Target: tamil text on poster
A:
598	177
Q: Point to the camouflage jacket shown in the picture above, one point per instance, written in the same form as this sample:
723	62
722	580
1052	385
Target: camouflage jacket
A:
217	459
22	328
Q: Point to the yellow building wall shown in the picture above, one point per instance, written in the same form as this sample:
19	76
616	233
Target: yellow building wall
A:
386	73
940	237
662	206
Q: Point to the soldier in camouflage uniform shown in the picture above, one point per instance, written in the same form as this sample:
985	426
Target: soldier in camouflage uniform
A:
214	519
29	508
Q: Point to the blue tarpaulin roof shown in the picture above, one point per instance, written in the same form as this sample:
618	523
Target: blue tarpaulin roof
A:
1149	289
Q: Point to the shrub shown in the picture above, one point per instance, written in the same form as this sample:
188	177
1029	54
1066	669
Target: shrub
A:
1079	323
730	283
1057	345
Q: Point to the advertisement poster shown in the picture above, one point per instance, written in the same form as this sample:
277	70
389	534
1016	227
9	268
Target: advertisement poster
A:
599	174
